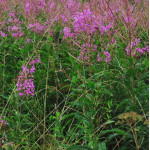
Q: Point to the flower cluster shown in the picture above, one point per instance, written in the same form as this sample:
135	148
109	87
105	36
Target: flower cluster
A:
3	34
35	61
73	5
129	118
67	33
3	122
12	26
108	57
142	50
84	52
84	55
25	84
79	20
129	16
98	58
37	27
132	48
3	5
106	28
84	21
29	41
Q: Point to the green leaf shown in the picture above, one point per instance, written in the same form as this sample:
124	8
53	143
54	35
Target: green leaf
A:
116	130
74	79
57	114
124	103
109	121
66	116
102	146
91	84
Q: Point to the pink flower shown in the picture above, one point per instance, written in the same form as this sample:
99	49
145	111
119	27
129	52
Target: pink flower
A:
35	61
17	34
98	58
25	84
37	27
63	18
67	32
140	50
3	34
14	28
32	69
28	41
11	14
3	121
20	94
108	57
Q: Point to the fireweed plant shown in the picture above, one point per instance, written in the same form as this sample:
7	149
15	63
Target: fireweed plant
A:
25	84
91	89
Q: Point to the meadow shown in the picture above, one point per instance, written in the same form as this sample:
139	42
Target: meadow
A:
74	74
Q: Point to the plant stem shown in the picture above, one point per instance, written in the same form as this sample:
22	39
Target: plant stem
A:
135	139
45	106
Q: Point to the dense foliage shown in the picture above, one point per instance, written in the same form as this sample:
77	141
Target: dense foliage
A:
74	74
